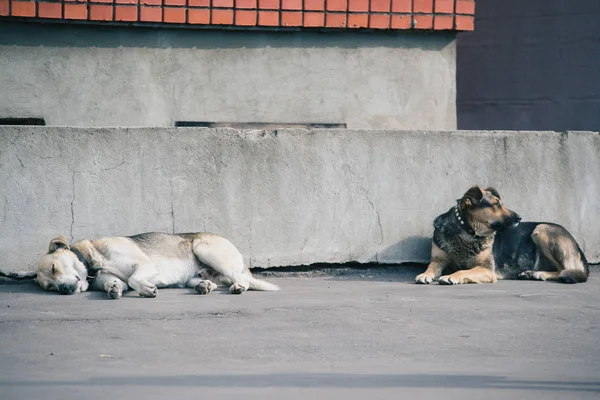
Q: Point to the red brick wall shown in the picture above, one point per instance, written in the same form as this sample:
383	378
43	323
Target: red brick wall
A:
335	14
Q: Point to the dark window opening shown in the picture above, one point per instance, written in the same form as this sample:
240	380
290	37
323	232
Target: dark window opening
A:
255	125
22	121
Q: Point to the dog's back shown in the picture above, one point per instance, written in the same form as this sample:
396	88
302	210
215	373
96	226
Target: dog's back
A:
539	246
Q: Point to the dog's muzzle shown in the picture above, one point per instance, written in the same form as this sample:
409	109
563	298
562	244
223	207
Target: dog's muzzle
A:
510	222
66	289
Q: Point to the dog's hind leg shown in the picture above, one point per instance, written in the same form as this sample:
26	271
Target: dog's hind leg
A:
202	286
540	275
223	258
109	283
558	256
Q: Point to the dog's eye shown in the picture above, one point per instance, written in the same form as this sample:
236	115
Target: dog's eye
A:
53	269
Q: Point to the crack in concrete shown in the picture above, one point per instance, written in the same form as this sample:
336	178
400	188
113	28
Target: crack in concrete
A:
72	207
123	162
376	213
172	208
19	158
5	210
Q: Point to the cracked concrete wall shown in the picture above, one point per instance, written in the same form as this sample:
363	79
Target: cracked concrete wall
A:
285	197
112	76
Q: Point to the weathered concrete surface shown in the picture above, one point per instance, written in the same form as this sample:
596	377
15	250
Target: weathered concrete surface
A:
530	65
285	197
343	338
111	76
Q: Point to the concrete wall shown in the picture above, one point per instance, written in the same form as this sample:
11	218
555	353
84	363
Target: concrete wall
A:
285	197
109	76
531	65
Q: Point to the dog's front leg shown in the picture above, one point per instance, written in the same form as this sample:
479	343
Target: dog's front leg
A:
435	267
473	275
109	283
143	280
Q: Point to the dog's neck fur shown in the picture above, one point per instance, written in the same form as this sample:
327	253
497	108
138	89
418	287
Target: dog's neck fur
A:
81	250
465	224
465	245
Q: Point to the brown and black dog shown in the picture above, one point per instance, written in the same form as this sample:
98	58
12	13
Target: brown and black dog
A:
483	241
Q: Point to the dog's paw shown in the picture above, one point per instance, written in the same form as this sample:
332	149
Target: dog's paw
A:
236	288
423	279
448	280
114	291
533	275
148	290
205	287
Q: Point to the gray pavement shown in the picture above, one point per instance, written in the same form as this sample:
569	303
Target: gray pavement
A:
361	333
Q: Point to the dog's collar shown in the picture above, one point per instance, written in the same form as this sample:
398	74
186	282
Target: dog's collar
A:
464	225
82	259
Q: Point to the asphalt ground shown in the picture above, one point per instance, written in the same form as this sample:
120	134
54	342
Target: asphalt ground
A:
347	334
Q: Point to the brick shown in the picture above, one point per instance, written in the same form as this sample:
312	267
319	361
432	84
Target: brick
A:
268	18
291	18
444	6
465	7
358	5
465	23
223	3
314	5
75	11
379	21
126	1
443	22
106	1
335	5
314	19
245	17
22	9
125	13
248	4
222	17
49	10
423	21
335	20
4	8
101	13
198	16
173	15
151	14
268	4
402	6
175	3
380	5
150	2
423	6
358	20
291	4
401	22
199	3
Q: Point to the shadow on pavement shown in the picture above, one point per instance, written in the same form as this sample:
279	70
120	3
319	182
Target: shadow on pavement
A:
325	380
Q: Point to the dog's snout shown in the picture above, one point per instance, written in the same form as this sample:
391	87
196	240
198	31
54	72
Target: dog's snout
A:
517	218
65	289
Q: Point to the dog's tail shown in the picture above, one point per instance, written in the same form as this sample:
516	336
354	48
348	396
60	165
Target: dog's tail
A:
259	284
573	276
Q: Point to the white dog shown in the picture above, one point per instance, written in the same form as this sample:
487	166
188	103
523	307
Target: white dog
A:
144	263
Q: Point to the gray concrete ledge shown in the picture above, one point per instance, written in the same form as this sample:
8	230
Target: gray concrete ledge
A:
285	197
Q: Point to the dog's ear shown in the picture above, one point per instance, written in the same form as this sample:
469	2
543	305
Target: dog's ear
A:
58	243
472	197
493	191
